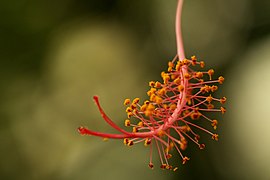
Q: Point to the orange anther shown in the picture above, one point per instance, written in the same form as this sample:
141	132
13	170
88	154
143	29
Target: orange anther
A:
209	98
168	156
214	88
180	88
177	81
223	110
185	159
198	74
215	137
127	101
221	80
163	166
185	62
130	143
147	142
151	165
210	73
187	76
136	100
151	83
134	129
223	100
157	84
128	109
214	123
201	146
193	60
202	64
170	64
127	122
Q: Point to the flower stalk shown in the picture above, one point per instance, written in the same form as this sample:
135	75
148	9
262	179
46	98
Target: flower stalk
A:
167	121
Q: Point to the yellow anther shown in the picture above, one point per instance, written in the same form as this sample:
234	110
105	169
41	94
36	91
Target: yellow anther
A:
151	107
151	83
168	156
127	101
162	73
214	123
158	100
199	75
130	143
157	84
152	97
175	169
133	106
178	66
143	107
183	145
173	76
171	145
209	98
148	113
128	109
162	92
187	76
168	167
185	159
223	110
166	78
127	122
202	64
170	69
136	100
147	142
210	73
146	102
173	106
215	137
160	133
189	101
185	128
129	114
180	88
195	115
193	60
140	124
168	148
170	64
221	79
177	81
185	62
223	100
134	129
151	91
214	88
205	89
200	80
125	141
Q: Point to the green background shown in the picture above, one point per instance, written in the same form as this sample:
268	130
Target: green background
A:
55	55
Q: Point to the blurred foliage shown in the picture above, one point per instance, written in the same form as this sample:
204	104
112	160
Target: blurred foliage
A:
55	55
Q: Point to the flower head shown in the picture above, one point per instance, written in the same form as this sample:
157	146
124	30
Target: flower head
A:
167	120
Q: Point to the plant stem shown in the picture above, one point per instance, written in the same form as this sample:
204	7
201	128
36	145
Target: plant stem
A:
178	31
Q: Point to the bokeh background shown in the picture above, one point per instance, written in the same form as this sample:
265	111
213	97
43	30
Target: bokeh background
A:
55	55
